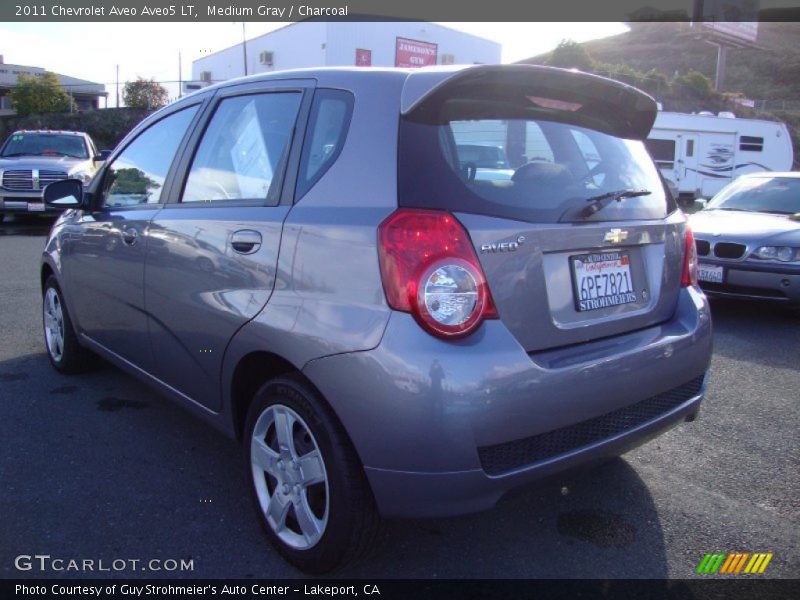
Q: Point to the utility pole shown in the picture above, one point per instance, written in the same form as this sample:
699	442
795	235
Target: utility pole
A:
117	105
180	77
722	59
244	49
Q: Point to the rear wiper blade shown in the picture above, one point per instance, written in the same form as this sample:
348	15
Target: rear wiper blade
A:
598	202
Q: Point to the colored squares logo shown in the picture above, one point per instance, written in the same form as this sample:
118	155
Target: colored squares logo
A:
734	563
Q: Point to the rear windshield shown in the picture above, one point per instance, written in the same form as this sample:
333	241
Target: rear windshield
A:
45	144
541	171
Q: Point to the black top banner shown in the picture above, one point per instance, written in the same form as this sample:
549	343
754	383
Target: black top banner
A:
393	10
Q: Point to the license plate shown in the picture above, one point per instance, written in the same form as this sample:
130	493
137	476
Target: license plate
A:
602	280
35	206
710	273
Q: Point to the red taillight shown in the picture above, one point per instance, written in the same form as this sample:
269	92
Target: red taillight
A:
430	269
689	276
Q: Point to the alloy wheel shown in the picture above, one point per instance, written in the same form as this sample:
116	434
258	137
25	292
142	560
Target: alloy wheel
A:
290	477
54	324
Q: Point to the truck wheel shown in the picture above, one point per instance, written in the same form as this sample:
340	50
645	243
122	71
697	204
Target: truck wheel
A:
307	482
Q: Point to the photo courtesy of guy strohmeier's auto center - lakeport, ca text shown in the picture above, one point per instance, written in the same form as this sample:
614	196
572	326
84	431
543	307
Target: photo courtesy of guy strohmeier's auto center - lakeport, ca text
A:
408	299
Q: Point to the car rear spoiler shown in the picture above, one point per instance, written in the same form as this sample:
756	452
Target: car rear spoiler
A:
440	95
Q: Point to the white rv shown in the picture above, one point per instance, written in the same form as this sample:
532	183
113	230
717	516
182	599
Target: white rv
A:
701	153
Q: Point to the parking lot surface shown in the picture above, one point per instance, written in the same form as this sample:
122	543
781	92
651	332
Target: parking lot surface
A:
98	467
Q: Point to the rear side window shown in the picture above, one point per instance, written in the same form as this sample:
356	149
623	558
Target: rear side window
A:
243	151
327	130
529	169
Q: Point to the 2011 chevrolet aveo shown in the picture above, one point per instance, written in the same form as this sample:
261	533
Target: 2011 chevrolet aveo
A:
306	260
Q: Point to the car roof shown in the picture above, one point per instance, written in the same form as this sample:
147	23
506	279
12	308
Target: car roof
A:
59	131
328	74
786	174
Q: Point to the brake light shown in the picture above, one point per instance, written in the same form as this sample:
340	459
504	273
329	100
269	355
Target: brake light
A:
429	268
689	276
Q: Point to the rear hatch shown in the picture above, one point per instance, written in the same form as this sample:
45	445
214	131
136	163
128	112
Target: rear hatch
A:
575	231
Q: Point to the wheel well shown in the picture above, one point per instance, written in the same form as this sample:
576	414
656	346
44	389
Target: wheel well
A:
46	272
253	371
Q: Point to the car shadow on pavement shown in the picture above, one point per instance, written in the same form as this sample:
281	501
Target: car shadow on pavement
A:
26	225
593	522
740	328
101	467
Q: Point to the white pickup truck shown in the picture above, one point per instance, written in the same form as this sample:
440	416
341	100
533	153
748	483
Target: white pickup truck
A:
30	159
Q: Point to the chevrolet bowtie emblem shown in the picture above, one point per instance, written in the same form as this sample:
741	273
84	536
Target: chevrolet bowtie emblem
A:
616	236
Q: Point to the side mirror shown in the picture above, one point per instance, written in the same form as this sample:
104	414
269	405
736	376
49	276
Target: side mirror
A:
699	203
102	157
67	193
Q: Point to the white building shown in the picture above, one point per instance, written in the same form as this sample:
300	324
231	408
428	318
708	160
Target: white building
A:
329	44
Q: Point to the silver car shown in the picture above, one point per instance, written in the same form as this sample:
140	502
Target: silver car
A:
748	239
31	159
300	259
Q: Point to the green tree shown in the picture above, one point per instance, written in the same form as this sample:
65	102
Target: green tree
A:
35	94
132	181
144	93
696	83
570	55
656	83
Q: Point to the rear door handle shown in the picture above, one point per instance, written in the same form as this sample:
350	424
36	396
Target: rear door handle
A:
245	241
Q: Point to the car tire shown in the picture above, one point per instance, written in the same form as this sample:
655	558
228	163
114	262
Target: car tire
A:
63	349
318	514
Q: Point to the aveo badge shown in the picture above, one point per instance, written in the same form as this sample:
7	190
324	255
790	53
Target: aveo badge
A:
503	246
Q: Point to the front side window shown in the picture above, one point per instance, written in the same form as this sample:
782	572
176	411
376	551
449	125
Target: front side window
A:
244	149
137	175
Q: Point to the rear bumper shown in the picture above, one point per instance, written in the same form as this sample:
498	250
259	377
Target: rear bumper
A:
774	282
429	418
463	492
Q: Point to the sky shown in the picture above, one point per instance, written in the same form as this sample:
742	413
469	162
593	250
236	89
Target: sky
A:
150	50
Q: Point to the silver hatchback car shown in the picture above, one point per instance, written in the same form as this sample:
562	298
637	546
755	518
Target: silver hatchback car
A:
306	260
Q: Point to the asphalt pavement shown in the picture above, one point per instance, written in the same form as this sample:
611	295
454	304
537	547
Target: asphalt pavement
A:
98	467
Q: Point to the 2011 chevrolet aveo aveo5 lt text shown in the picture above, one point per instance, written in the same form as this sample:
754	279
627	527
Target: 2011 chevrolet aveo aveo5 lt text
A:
306	260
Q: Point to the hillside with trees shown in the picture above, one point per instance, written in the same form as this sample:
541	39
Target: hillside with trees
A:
672	62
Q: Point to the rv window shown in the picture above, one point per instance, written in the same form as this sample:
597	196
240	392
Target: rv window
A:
751	144
689	148
662	151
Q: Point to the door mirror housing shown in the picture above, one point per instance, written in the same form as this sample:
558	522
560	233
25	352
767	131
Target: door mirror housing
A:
67	193
102	157
700	203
